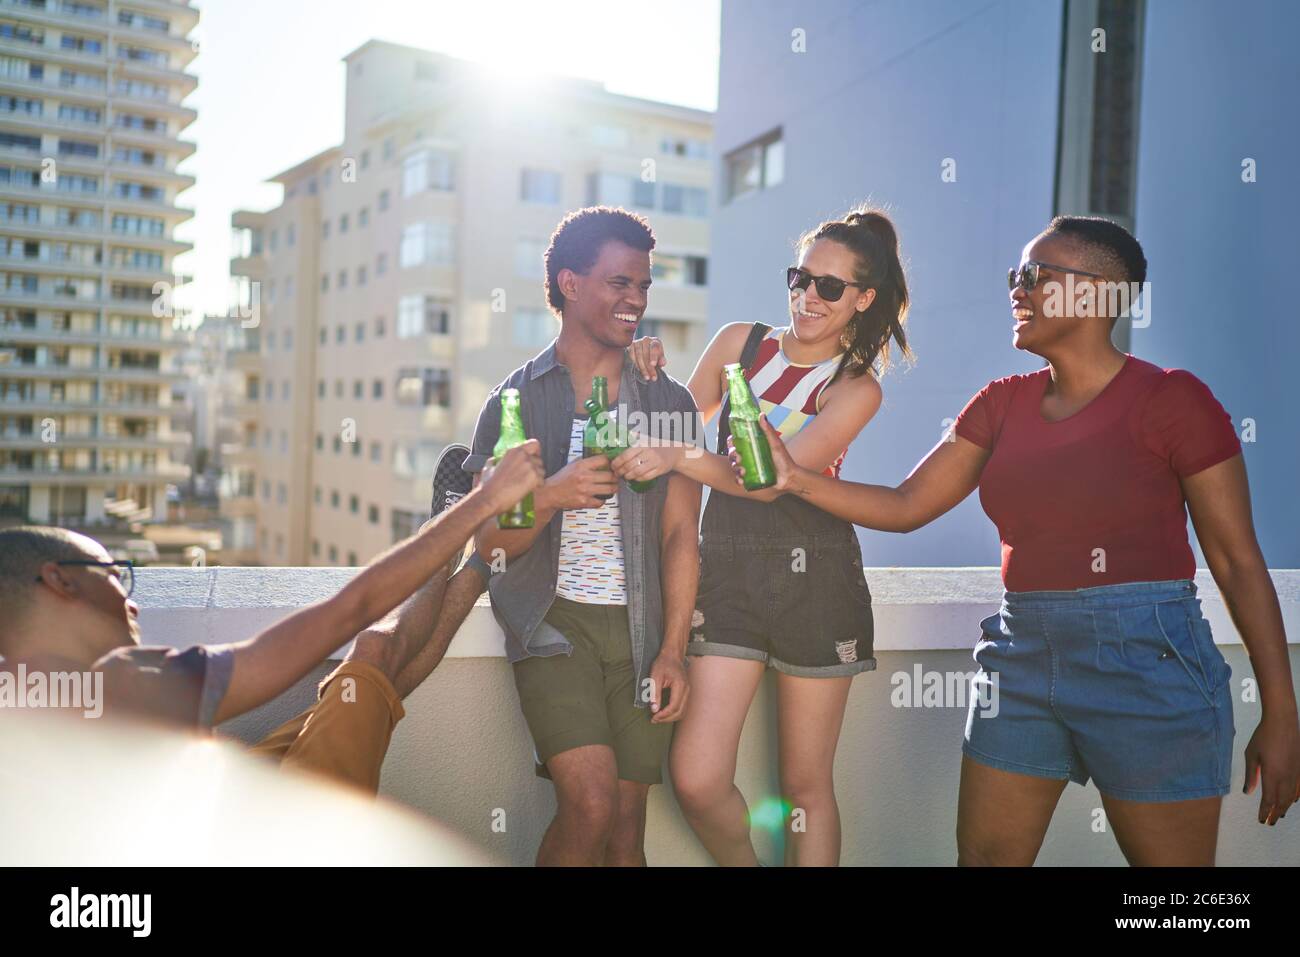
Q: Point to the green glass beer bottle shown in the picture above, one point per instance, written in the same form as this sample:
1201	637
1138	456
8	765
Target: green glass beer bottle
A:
512	434
601	436
746	434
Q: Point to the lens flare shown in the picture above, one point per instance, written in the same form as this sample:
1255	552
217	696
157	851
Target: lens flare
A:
770	814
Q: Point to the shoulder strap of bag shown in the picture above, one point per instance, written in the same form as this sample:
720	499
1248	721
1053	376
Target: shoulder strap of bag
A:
756	335
747	354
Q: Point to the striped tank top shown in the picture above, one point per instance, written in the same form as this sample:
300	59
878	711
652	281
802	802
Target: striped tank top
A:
788	393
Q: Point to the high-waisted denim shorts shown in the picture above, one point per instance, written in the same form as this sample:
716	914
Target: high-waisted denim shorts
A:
1120	683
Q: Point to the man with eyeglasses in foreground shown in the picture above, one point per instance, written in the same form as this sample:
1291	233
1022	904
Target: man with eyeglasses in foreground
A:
67	608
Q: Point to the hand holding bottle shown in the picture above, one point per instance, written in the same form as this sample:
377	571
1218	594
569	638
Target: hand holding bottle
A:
785	465
518	472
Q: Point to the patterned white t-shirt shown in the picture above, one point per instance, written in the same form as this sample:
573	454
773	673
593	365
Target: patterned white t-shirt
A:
591	546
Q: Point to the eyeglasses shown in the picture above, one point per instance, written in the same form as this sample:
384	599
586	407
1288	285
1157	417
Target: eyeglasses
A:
126	575
828	287
1026	277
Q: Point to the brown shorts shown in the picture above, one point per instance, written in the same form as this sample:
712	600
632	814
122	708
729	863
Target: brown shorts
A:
345	734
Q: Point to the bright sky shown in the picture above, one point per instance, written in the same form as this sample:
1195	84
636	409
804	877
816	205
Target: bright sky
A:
271	82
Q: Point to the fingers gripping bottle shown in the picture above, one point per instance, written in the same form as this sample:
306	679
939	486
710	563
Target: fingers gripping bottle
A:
600	436
746	434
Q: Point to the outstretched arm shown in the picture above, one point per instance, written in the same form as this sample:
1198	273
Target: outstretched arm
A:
845	409
939	483
270	662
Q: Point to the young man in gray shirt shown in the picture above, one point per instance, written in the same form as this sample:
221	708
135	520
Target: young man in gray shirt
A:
596	598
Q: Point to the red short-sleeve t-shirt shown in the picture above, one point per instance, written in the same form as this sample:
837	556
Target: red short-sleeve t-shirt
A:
1095	499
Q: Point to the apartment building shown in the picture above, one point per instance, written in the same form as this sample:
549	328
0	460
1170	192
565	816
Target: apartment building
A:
91	118
401	279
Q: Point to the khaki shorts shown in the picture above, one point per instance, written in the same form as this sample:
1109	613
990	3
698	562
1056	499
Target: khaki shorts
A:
345	734
586	697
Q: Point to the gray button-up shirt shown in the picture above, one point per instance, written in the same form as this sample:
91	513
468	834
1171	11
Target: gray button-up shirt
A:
522	594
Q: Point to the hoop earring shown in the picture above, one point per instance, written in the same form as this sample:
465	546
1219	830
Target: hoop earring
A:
846	339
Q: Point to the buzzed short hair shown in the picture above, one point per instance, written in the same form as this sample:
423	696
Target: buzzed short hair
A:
1109	248
23	551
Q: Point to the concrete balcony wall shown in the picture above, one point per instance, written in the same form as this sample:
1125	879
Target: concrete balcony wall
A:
463	750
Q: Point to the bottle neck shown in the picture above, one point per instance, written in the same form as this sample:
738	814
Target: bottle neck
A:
512	423
740	396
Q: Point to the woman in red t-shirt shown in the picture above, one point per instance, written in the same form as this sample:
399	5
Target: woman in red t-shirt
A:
1099	663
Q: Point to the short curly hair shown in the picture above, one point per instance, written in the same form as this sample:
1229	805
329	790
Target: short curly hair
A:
576	243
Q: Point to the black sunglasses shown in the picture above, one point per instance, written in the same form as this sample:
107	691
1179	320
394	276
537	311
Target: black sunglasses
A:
828	287
126	575
1026	277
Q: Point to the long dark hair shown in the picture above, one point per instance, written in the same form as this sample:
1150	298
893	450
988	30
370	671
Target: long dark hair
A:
870	235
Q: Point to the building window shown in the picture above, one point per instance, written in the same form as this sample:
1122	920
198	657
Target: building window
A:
686	200
354	504
343	223
381	264
358	389
687	147
334	554
643	193
361	275
383	201
340	333
533	327
425	170
423	315
359	332
424	387
681	270
755	166
379	327
320	387
539	186
373	514
334	498
325	229
404	524
352	559
377	389
427	244
376	452
530	256
363	217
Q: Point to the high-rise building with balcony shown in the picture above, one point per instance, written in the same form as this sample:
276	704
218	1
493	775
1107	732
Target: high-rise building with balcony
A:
91	118
401	279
